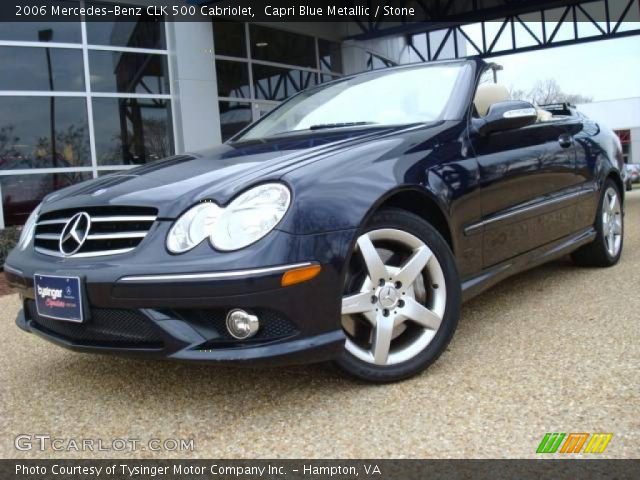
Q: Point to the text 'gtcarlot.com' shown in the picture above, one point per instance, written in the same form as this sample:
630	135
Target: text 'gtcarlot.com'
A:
43	442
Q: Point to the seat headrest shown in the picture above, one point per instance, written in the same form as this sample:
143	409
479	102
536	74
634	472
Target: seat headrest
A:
487	95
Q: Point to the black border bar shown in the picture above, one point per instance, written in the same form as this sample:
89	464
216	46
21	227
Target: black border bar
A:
366	469
369	13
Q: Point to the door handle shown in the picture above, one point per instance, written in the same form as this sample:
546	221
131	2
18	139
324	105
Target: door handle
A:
565	140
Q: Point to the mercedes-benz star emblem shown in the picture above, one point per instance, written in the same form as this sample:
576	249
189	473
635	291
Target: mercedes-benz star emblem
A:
74	234
388	297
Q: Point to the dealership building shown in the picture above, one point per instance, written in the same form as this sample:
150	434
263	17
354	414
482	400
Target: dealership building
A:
623	116
83	99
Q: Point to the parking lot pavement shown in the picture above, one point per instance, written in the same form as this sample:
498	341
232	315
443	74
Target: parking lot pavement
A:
556	349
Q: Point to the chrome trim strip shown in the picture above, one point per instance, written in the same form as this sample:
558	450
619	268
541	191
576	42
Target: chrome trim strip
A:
111	236
101	253
138	218
53	222
527	208
213	275
48	236
473	286
121	218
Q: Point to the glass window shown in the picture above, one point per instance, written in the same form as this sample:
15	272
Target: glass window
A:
275	83
233	79
132	131
400	99
375	62
35	68
625	141
229	39
104	173
145	32
26	127
325	77
62	32
22	193
279	46
330	56
234	116
128	72
264	108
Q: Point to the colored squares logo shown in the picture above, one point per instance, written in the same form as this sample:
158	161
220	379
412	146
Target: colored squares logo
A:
574	442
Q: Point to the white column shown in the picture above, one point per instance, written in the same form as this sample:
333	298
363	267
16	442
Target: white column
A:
194	86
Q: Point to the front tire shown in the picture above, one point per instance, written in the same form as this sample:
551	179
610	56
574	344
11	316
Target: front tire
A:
606	249
401	300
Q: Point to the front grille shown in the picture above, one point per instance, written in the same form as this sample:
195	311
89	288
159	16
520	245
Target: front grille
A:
106	327
113	230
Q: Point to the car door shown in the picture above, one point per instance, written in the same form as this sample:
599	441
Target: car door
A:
527	177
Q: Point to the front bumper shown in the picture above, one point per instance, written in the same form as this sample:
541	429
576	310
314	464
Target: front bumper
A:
154	304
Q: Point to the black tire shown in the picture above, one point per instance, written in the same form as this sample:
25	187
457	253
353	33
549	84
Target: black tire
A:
402	220
596	254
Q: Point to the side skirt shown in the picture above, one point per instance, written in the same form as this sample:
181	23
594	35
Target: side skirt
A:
551	251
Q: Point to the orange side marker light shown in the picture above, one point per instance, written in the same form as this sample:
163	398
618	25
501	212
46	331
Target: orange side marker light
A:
299	275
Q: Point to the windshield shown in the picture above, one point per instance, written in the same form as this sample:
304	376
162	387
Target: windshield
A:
395	97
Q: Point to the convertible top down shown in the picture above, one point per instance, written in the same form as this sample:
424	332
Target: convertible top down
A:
348	224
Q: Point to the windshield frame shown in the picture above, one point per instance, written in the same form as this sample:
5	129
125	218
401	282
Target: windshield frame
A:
455	108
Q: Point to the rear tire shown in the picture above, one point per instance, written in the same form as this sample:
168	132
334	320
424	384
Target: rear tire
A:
401	299
606	249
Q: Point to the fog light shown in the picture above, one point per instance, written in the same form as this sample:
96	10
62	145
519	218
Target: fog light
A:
242	325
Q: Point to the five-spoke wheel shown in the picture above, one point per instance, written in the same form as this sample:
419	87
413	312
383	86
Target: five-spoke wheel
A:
606	248
391	298
612	221
401	290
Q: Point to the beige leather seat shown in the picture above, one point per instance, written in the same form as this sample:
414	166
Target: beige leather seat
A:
488	94
544	115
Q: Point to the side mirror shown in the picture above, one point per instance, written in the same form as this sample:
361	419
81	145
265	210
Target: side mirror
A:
507	116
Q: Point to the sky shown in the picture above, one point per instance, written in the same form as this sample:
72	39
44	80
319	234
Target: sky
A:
603	70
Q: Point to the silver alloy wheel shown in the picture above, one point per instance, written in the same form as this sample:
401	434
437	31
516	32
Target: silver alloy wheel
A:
402	305
612	221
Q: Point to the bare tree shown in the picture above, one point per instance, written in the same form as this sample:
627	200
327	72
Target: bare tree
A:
548	91
518	94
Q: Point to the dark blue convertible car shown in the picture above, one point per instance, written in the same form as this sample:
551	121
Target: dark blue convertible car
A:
346	225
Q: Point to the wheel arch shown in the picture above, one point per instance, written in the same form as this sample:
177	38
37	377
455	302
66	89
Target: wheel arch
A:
419	203
617	179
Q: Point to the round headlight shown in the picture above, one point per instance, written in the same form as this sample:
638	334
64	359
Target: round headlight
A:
250	216
193	227
29	228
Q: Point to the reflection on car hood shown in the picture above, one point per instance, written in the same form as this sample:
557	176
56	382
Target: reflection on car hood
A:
174	184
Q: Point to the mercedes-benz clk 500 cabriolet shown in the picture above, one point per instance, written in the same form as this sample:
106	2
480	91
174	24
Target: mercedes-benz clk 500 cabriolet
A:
347	225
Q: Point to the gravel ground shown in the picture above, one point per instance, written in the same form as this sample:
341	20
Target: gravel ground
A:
552	350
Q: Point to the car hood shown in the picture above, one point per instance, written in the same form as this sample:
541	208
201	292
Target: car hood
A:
174	184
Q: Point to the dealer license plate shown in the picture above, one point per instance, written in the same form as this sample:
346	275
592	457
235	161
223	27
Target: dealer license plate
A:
59	298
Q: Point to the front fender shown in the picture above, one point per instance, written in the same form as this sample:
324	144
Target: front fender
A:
340	192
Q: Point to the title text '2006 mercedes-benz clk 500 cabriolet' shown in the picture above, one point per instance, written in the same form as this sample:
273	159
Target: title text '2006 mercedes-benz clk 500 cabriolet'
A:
347	225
